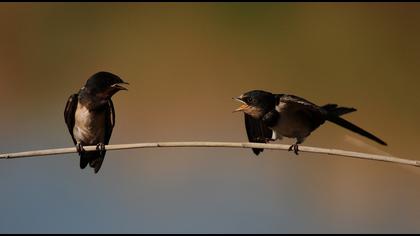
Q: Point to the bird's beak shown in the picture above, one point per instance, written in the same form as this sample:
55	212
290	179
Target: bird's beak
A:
119	87
243	106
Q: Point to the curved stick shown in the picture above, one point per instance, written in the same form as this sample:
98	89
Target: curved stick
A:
334	152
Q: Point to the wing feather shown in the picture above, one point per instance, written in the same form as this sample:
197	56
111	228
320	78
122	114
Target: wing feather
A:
69	113
257	132
110	121
308	112
97	161
293	100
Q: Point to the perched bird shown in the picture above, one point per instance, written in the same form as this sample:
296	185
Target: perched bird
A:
90	116
272	116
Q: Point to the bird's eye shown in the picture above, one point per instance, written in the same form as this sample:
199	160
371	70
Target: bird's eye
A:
249	100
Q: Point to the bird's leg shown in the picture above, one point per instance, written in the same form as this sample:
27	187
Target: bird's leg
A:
79	148
101	148
296	149
295	146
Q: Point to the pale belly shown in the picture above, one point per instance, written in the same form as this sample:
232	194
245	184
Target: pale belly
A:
89	127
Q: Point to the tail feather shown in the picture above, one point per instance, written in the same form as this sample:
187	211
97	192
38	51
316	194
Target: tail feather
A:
84	160
96	162
335	110
333	113
346	124
94	159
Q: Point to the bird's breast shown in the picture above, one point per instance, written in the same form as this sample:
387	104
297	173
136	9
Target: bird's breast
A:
89	127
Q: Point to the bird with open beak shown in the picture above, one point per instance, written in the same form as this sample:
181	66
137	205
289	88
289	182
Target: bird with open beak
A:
90	116
272	116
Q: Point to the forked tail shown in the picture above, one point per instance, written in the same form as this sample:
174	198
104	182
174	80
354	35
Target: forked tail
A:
333	115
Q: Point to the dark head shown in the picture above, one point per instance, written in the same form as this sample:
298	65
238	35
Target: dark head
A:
256	103
104	84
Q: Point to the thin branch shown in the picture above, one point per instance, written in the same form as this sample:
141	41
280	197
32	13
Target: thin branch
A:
334	152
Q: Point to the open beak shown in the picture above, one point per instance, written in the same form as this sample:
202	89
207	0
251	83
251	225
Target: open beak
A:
119	87
243	106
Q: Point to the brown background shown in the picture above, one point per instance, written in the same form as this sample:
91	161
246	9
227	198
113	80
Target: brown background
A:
184	62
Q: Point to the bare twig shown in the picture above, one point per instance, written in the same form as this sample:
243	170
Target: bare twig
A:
216	144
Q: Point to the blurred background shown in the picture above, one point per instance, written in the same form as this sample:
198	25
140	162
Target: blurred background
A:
185	62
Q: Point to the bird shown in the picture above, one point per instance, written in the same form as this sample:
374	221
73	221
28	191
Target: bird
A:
90	116
269	117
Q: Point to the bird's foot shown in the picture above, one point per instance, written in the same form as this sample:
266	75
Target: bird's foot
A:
101	148
79	148
295	148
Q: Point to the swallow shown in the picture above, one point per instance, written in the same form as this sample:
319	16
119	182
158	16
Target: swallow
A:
90	116
269	117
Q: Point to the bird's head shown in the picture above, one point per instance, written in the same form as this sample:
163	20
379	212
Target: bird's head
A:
104	84
256	103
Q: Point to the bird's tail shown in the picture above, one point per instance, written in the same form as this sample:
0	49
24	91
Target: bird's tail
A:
94	159
333	115
335	110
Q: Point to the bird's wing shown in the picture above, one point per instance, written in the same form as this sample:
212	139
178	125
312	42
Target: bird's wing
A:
257	132
305	110
292	100
97	158
69	113
109	120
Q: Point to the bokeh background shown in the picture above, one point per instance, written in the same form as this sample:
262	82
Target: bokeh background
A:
185	62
